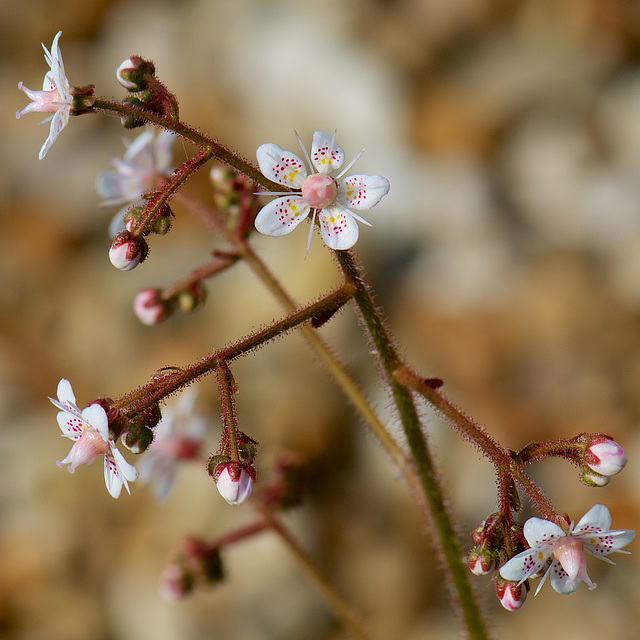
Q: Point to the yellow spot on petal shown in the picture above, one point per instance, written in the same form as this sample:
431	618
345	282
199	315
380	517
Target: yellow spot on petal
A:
540	555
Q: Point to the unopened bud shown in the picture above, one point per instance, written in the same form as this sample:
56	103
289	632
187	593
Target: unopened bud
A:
137	438
593	479
176	582
149	306
234	480
605	457
511	594
133	73
127	250
482	562
192	298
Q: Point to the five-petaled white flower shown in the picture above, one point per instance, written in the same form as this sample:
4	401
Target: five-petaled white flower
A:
563	552
55	97
89	429
146	160
334	199
178	437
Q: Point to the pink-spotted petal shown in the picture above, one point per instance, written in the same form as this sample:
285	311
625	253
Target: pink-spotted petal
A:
326	155
281	216
540	532
361	192
596	519
561	582
339	229
117	471
525	564
281	166
71	425
49	83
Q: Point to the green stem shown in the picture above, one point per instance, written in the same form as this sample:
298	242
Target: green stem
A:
442	522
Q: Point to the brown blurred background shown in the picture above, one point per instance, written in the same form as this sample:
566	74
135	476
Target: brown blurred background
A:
507	255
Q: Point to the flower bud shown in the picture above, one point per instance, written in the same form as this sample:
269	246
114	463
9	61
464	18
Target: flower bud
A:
127	251
149	306
137	438
482	562
133	73
191	298
176	581
593	479
511	595
606	457
233	485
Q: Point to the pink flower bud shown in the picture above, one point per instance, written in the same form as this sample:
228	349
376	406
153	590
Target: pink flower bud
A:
606	458
149	306
234	483
511	594
481	562
176	582
127	251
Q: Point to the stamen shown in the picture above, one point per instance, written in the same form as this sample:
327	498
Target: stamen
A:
305	153
351	163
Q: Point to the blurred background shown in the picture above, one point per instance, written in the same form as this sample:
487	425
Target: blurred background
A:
507	256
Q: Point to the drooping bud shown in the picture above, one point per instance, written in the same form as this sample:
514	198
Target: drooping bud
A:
149	306
134	72
593	479
234	483
605	457
482	562
127	250
511	595
176	581
137	438
191	298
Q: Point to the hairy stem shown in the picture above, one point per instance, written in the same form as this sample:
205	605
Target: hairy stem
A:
412	426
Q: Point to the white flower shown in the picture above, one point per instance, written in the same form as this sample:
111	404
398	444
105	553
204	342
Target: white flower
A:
89	430
564	551
54	98
334	199
146	160
178	437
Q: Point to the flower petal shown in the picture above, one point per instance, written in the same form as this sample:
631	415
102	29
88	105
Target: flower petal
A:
117	471
339	229
96	416
540	532
281	216
283	167
72	425
525	564
597	518
559	580
65	393
58	123
361	192
326	155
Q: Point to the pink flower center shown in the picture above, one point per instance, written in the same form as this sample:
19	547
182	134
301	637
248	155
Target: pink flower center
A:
569	551
319	190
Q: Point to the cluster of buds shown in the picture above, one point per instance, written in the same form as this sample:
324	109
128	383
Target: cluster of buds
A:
199	563
235	195
152	306
138	76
